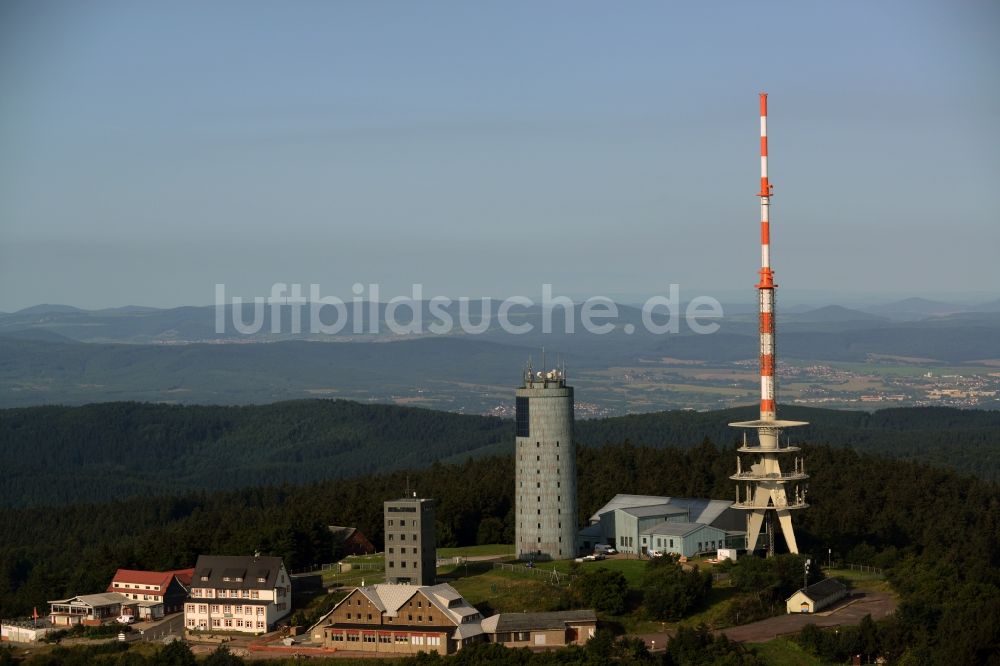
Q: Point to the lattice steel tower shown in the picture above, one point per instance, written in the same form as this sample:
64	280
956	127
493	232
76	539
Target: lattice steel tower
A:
764	490
545	467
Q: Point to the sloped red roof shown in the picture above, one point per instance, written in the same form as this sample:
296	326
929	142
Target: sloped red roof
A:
158	580
184	576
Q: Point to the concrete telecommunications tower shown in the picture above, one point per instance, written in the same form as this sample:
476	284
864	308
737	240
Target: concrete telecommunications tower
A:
545	467
763	489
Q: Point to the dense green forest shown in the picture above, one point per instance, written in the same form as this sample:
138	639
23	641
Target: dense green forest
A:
937	533
57	455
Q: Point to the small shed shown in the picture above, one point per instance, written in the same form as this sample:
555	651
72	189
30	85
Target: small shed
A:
816	597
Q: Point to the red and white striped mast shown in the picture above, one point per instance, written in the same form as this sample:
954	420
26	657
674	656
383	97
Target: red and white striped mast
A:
764	489
766	285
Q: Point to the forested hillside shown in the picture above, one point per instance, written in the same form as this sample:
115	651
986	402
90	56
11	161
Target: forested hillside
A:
56	455
938	533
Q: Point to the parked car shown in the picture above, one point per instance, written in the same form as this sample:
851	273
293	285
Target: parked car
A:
126	619
605	548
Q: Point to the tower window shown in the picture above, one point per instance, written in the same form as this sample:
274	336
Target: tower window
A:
521	417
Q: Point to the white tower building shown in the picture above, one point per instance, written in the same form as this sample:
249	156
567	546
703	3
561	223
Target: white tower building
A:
545	467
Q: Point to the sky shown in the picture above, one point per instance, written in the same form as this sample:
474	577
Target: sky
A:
151	150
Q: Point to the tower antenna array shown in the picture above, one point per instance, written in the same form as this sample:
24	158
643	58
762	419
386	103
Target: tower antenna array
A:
762	488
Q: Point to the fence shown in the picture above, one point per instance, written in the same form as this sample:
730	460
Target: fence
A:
555	576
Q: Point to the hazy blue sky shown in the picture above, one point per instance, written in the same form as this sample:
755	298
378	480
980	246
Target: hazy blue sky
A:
149	150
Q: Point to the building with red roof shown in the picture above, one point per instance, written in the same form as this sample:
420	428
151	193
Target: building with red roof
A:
152	594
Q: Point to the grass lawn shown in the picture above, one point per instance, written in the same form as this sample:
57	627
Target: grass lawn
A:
477	551
376	558
783	651
631	569
352	578
498	591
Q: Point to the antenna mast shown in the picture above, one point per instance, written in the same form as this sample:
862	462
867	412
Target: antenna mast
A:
766	285
769	491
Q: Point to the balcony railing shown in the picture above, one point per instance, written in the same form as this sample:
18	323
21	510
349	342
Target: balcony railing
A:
770	476
751	505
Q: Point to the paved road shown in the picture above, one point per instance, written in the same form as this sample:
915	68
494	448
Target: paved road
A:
848	612
155	631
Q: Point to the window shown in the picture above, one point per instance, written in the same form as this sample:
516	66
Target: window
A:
402	638
338	637
353	638
521	417
260	624
228	623
215	608
384	638
190	622
216	623
190	608
369	638
402	523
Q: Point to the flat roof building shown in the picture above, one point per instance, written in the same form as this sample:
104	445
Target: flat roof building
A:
410	541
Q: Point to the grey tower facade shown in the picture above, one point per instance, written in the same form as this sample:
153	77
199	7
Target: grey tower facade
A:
545	468
410	541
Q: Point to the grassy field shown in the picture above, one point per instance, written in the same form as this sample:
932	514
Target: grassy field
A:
499	591
631	569
477	551
785	652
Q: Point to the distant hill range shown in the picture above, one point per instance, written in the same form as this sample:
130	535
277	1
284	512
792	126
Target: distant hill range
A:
57	455
59	354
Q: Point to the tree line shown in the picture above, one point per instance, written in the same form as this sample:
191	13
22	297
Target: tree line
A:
62	455
934	531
